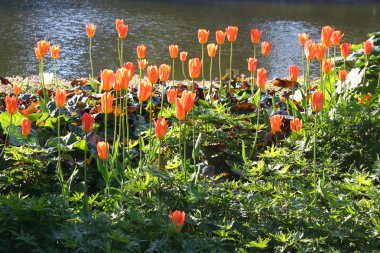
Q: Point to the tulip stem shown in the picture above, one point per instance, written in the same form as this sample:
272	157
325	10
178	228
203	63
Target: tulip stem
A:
252	84
85	165
123	124
7	137
322	81
183	71
315	153
90	51
344	64
303	65
105	118
173	66
254	50
140	138
150	114
55	71
126	117
184	147
220	70
121	53
59	168
203	75
211	96
230	79
159	154
162	96
115	119
44	92
257	122
193	121
364	69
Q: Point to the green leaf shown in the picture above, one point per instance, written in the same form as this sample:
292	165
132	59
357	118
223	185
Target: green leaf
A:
260	243
256	97
197	146
5	119
243	154
103	170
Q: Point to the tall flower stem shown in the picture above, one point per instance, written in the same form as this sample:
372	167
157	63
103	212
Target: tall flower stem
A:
59	168
105	118
115	117
315	153
203	75
118	50
184	148
322	81
365	66
90	51
126	118
183	71
55	71
150	114
211	96
173	66
307	85
257	122
230	79
85	165
193	121
7	137
140	137
344	64
159	154
122	125
252	83
121	53
254	50
220	70
44	92
303	65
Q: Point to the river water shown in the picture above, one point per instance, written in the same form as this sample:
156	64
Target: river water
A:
160	23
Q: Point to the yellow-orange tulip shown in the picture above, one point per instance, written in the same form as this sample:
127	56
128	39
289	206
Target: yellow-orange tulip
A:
173	51
231	32
90	30
303	37
178	218
293	73
296	125
142	64
252	64
183	56
118	22
262	75
152	72
60	97
107	79
16	89
171	95
122	31
211	50
54	50
179	110
343	75
164	72
276	122
326	35
320	51
345	49
367	47
310	50
37	51
106	102
141	51
195	67
43	47
144	91
327	65
11	104
255	36
220	37
161	128
265	48
336	37
26	126
122	79
203	36
318	101
102	148
187	99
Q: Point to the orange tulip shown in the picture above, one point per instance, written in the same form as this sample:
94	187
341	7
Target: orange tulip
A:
37	51
122	79
122	31
326	35
161	128
261	78
310	50
252	64
16	89
183	56
187	99
179	110
336	37
108	79
118	22
141	51
231	32
144	91
131	67
142	64
164	72
211	50
364	99
220	37
102	148
367	47
106	102
54	50
60	97
11	105
265	48
276	122
195	67
327	65
320	51
171	95
203	36
26	126
343	75
178	218
87	123
173	51
345	49
318	101
296	125
152	72
90	30
255	36
293	73
303	38
43	47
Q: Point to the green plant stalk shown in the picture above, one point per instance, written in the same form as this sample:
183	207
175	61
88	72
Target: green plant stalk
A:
203	74
303	65
180	138
344	64
162	95
257	122
59	168
184	148
366	64
44	92
140	139
150	114
122	126
159	154
85	165
118	49
173	66
7	137
322	81
211	96
55	71
230	79
121	53
307	84
126	120
115	118
220	70
90	51
254	50
315	154
252	84
378	83
192	117
183	71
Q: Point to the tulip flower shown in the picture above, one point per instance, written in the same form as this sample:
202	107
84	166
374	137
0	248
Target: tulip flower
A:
296	125
183	57
336	37
342	75
55	52
118	22
327	65
345	50
326	35
231	33
107	79
144	91
26	127
203	36
16	89
161	128
195	66
367	47
37	51
141	51
220	37
303	37
90	30
310	50
60	100
40	51
318	101
43	47
255	36
106	103
142	64
265	48
211	50
60	97
171	95
180	110
122	79
252	64
122	30
87	125
173	51
164	72
261	78
364	99
131	67
11	104
187	99
178	219
152	74
320	51
102	148
293	73
276	122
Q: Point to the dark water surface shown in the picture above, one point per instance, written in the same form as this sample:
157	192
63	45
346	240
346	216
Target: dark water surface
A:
159	23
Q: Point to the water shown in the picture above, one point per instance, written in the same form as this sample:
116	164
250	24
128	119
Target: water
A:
160	23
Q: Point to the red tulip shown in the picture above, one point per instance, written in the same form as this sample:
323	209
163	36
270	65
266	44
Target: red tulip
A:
231	32
106	102
296	125
318	101
152	74
102	148
178	218
16	89
118	22
107	79
60	97
293	73
11	104
142	64
367	47
276	122
131	67
261	78
54	50
343	75
265	48
255	36
164	72
122	31
364	99
122	79
173	51
161	128
327	65
195	67
336	37
320	51
310	50
345	49
220	37
90	30
326	35
26	127
252	64
179	110
187	99
141	51
87	123
171	95
37	51
144	91
303	38
211	50
203	36
183	56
